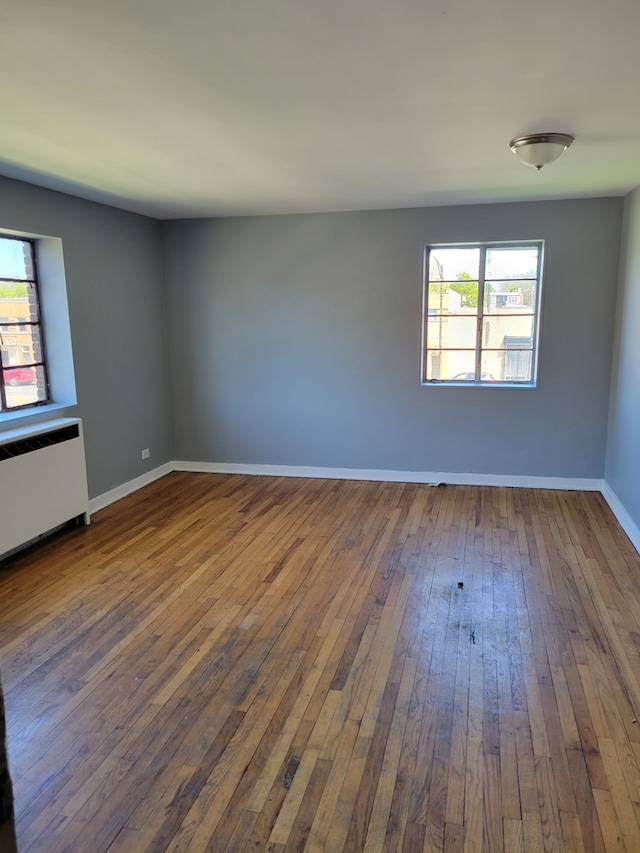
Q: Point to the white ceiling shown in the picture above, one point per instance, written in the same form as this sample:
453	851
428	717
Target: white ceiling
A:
180	108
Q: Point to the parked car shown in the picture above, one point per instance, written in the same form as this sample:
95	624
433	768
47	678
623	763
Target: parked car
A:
469	377
19	375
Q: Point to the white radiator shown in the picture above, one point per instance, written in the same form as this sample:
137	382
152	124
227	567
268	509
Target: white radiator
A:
43	480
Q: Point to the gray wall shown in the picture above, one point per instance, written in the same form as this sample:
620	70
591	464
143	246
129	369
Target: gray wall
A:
622	471
295	340
113	271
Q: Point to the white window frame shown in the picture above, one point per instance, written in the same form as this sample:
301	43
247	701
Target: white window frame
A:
15	326
477	382
55	320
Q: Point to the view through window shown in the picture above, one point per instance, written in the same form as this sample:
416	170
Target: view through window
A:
23	378
481	306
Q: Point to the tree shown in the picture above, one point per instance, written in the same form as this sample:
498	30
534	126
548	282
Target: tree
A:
13	290
467	287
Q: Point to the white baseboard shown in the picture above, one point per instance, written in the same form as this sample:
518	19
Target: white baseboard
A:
377	475
624	519
429	477
125	489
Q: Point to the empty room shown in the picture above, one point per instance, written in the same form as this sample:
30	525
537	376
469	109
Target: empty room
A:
319	426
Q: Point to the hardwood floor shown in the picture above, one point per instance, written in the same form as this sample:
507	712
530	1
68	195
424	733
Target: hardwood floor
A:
233	663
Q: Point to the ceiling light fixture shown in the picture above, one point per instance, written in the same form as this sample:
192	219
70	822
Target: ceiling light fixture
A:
540	148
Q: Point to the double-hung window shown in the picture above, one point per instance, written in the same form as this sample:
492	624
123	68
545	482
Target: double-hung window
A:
482	314
23	376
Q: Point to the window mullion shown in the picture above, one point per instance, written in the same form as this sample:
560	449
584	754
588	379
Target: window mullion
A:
3	396
481	274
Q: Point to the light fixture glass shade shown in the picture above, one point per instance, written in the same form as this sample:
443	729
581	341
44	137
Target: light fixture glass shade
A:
541	148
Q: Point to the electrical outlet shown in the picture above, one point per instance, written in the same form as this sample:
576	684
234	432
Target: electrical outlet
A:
145	453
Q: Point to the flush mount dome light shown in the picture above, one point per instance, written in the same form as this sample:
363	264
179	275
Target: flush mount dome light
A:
539	149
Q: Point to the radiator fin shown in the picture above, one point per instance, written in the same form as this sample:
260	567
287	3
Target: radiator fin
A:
38	442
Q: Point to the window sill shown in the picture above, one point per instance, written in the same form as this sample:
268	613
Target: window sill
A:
10	420
529	386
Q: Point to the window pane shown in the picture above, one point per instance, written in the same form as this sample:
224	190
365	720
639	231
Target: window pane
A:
25	386
453	298
15	259
507	332
448	332
20	386
454	264
454	365
21	347
512	263
492	364
41	384
512	365
11	290
32	343
508	295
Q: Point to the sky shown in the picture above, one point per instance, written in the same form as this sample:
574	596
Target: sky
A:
12	259
502	262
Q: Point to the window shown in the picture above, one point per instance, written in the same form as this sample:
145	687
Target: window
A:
481	314
23	378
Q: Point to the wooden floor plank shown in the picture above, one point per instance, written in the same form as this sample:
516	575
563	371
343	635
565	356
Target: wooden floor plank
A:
224	662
